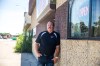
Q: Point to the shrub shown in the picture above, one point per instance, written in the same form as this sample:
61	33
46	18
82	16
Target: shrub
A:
23	45
27	45
19	43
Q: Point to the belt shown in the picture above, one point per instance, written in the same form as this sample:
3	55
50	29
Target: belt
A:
47	56
44	55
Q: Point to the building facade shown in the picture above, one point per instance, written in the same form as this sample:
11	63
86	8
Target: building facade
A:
26	30
78	22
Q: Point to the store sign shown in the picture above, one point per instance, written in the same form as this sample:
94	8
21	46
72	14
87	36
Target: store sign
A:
84	11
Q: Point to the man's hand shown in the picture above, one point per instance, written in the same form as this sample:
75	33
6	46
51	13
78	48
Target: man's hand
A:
55	59
38	54
36	47
56	54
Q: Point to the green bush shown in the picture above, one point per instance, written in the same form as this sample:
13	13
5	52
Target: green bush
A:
27	45
23	45
19	43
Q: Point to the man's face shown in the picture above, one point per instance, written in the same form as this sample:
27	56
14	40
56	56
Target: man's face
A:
50	26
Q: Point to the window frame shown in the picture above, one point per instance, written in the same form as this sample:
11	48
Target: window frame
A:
90	37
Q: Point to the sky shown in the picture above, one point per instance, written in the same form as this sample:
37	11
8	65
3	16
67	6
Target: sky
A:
12	15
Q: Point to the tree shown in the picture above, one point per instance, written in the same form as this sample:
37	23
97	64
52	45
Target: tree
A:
97	28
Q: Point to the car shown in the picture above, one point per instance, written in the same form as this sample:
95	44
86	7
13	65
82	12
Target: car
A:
13	38
0	37
5	37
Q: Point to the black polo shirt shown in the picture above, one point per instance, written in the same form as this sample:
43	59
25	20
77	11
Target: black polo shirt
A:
48	42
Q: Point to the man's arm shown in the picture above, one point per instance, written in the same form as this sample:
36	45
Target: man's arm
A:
36	47
56	54
57	51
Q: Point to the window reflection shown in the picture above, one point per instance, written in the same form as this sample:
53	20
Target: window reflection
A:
96	18
80	19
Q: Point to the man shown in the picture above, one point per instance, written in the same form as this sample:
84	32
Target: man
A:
47	46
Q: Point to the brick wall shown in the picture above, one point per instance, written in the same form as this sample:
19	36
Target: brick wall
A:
61	19
40	27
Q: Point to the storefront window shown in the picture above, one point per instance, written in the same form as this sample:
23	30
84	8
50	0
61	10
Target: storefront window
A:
34	32
53	1
84	18
40	6
79	18
96	18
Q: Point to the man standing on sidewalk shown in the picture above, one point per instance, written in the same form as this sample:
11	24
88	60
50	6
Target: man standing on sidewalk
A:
47	46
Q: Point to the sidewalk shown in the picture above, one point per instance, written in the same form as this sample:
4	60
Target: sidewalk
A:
9	58
28	59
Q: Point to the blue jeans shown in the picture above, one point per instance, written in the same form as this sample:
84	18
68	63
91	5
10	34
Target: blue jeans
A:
45	61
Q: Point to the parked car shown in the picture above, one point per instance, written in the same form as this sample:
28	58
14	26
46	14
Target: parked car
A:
0	37
5	37
14	38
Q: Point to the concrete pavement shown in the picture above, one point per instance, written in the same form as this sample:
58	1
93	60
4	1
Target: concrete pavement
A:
9	58
27	59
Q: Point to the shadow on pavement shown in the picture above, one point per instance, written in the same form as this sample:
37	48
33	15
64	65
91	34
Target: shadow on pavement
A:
28	59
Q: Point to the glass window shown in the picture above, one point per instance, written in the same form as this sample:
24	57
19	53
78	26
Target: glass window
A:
96	18
79	18
34	32
53	1
40	6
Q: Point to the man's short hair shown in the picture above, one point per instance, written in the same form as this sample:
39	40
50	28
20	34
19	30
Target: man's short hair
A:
52	21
